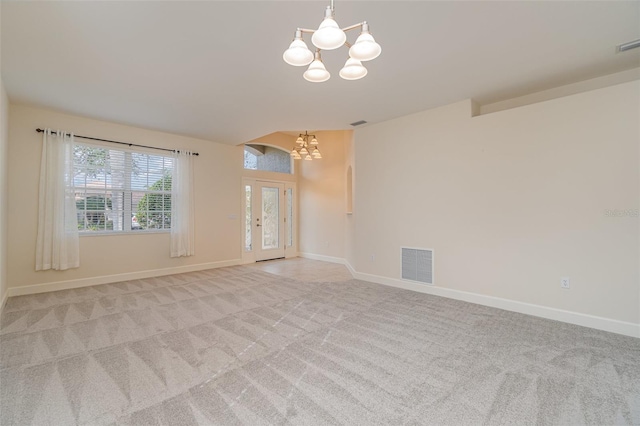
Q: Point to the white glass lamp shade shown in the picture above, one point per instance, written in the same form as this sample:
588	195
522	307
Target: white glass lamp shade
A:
353	70
308	157
328	36
293	153
304	151
365	48
298	54
314	141
316	73
300	141
316	154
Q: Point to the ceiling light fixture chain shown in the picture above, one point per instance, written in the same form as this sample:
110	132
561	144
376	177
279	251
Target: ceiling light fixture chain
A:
330	36
307	147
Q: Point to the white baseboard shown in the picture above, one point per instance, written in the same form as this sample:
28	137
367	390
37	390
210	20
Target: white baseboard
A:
585	320
350	268
331	259
5	296
323	258
107	279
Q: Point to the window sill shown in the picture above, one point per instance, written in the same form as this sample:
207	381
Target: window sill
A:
113	233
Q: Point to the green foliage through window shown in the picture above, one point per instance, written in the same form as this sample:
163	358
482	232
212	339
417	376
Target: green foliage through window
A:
154	209
117	190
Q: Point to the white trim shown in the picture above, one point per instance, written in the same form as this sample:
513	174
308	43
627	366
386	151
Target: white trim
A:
4	300
107	279
585	320
323	258
292	250
350	268
289	251
84	234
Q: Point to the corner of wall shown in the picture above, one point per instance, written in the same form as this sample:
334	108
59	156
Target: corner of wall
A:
476	108
4	136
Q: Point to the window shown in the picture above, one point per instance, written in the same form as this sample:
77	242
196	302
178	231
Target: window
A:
289	217
250	160
121	191
267	158
247	218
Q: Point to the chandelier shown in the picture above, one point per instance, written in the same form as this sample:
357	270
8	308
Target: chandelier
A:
307	147
330	36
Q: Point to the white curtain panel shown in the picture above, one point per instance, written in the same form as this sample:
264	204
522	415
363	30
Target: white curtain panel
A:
57	245
182	206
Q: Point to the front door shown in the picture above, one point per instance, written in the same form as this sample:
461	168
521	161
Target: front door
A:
269	220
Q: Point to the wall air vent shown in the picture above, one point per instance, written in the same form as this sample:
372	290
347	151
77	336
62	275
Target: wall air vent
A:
417	265
358	123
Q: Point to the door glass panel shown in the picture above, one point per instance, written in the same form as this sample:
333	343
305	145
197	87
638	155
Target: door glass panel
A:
247	218
270	218
289	217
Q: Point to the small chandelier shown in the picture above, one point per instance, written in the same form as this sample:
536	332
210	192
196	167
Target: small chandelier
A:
306	146
330	36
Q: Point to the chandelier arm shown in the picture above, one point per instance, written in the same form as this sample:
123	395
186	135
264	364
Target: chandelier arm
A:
349	28
354	26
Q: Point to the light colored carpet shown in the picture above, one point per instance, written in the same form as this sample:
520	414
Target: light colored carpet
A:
242	346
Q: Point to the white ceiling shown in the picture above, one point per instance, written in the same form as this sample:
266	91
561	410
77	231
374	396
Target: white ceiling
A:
214	70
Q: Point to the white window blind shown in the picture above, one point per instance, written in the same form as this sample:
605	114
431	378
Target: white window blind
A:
120	190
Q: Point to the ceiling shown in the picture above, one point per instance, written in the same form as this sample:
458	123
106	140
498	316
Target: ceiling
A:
214	70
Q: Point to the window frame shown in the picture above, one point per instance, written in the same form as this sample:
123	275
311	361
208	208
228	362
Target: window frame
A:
247	148
128	209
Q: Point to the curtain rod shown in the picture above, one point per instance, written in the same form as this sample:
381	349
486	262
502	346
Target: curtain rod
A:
122	143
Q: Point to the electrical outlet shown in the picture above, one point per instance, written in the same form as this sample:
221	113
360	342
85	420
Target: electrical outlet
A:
565	283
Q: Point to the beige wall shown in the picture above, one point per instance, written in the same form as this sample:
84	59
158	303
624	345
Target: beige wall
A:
4	142
218	174
322	197
510	201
